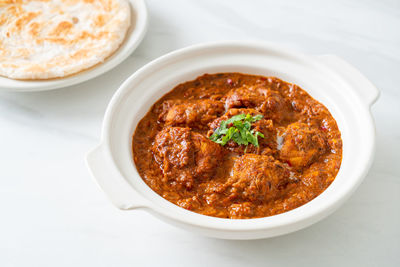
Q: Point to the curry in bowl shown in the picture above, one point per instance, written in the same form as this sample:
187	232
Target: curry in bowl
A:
237	146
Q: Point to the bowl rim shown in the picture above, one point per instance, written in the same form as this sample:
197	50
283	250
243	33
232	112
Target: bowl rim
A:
284	219
134	36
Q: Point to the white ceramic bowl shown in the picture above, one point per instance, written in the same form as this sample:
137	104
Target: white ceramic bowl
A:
340	87
134	36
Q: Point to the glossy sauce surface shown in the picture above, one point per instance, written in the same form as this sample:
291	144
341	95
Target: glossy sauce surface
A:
297	159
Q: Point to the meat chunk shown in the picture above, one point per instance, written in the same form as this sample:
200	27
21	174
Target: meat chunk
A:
267	101
172	151
208	155
275	107
195	114
257	178
163	108
246	97
302	144
184	156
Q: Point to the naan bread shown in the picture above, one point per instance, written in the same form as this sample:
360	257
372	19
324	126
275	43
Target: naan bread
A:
43	39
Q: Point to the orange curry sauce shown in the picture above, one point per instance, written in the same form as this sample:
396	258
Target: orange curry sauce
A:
297	159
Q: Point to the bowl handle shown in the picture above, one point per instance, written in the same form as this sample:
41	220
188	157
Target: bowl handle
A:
112	183
366	90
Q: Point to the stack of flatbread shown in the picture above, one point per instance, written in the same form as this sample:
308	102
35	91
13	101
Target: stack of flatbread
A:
44	39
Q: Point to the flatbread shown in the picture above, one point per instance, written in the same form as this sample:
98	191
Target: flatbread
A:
44	39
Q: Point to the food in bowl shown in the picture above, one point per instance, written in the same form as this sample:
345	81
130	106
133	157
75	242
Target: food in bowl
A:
237	146
58	38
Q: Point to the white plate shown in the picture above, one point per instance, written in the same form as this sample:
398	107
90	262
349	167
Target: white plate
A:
133	38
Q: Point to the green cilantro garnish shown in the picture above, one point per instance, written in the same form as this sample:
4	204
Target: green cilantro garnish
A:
239	131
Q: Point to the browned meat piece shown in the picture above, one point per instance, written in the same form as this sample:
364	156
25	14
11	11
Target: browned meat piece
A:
184	155
261	98
208	155
172	151
275	107
246	97
195	114
264	126
257	178
302	144
163	108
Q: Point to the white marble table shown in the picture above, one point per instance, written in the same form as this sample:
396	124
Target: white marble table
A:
53	214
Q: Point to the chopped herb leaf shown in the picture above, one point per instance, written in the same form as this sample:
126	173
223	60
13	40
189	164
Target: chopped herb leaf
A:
239	131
